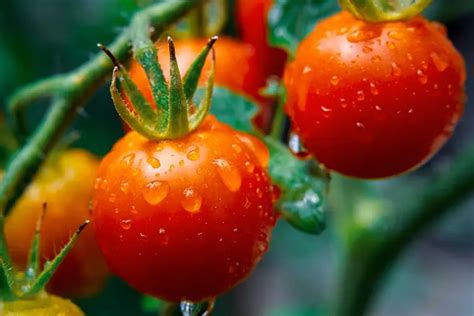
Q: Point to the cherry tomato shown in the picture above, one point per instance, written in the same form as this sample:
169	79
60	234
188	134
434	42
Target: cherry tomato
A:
187	218
252	22
66	184
44	305
375	100
237	67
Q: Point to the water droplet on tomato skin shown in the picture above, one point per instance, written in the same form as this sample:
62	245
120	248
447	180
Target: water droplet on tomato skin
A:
249	166
362	35
191	201
396	71
155	192
373	89
154	162
259	193
334	80
128	160
440	63
422	77
360	95
124	186
193	153
126	224
228	174
237	148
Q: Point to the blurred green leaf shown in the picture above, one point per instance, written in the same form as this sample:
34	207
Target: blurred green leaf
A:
449	10
289	21
152	305
303	186
233	109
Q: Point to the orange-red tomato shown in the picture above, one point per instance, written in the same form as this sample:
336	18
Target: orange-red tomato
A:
375	100
237	67
66	184
252	22
187	218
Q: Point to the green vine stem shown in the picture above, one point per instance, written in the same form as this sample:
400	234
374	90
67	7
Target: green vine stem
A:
370	253
69	92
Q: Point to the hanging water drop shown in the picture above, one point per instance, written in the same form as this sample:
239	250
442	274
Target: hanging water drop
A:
191	201
126	224
155	192
154	162
228	174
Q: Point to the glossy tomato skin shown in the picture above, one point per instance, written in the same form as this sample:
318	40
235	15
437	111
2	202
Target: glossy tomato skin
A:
44	305
252	22
186	218
65	183
375	100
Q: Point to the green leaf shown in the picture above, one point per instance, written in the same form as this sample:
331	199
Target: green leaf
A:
233	109
152	305
289	21
303	186
449	10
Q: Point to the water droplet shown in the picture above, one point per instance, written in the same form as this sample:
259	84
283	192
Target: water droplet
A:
229	175
237	148
395	35
410	57
192	200
181	163
307	69
103	184
259	193
247	203
259	149
128	159
124	186
376	58
360	125
249	166
396	71
193	153
440	63
235	230
154	162
97	183
390	44
334	80
360	95
367	49
422	77
361	35
112	197
410	111
126	224
342	30
161	231
325	109
144	236
155	192
373	89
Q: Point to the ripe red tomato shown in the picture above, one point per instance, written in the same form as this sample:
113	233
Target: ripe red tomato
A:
187	218
237	67
66	184
252	22
375	100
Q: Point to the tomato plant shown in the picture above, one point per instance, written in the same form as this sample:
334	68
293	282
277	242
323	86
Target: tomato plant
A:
66	184
375	100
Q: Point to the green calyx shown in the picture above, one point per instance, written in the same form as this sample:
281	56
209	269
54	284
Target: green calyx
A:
24	284
384	10
175	114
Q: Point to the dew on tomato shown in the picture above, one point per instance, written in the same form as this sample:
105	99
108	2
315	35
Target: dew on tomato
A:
385	96
192	227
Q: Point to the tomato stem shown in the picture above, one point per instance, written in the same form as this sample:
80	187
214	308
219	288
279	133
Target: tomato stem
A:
384	10
279	117
70	91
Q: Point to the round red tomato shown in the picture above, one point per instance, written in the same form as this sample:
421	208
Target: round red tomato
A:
252	21
375	100
65	183
187	218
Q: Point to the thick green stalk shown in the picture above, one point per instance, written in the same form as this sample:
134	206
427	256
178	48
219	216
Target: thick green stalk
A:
371	254
75	88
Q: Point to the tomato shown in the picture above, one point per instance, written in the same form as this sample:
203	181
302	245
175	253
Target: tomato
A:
44	305
375	100
252	22
237	67
65	183
187	218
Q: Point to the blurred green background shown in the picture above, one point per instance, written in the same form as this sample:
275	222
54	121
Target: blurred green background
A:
434	277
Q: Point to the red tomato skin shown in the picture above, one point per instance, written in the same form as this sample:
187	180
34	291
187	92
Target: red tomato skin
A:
375	100
159	247
252	22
